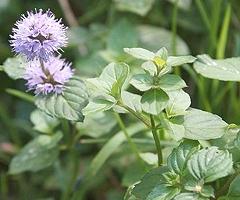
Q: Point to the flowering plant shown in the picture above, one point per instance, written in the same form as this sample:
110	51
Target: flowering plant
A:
192	152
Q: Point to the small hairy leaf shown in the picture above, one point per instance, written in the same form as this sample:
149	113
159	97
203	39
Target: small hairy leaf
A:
170	82
140	53
210	164
154	101
68	105
41	152
142	82
179	102
177	160
180	60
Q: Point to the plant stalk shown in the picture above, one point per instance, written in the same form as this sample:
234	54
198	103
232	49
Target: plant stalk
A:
157	141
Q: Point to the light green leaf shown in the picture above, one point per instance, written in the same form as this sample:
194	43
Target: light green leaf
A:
224	69
140	7
234	189
179	102
115	74
140	53
171	82
15	67
121	35
43	122
210	164
132	101
68	105
97	105
201	125
36	155
162	192
177	160
154	101
180	60
142	82
148	182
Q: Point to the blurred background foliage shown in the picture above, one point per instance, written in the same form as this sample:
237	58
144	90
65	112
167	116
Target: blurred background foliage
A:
98	32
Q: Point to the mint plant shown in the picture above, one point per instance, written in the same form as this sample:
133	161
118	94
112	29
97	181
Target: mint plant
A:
202	162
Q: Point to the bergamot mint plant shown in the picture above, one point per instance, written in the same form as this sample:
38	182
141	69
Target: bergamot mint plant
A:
191	154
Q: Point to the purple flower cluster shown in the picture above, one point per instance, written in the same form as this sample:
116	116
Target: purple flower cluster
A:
39	37
50	78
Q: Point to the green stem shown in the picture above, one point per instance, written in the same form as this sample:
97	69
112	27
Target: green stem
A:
130	142
174	27
137	115
157	141
74	160
224	33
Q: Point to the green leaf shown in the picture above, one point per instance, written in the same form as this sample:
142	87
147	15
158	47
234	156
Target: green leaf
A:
224	69
140	53
140	7
154	101
179	102
43	122
174	127
121	35
177	160
36	155
201	125
15	67
189	196
142	82
162	192
171	82
234	189
115	75
179	60
210	164
68	105
162	53
97	105
148	182
133	174
132	101
150	67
